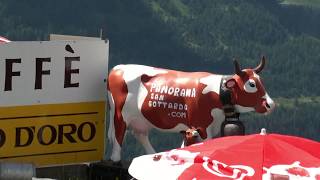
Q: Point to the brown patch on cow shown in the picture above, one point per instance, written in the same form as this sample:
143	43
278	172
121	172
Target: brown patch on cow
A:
166	110
117	86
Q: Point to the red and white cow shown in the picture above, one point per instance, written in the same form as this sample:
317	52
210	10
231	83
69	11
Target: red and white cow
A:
143	97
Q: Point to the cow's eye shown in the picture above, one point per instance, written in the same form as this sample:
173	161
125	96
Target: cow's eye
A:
250	86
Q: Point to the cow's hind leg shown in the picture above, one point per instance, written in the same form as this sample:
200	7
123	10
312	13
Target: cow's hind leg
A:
116	132
117	94
144	140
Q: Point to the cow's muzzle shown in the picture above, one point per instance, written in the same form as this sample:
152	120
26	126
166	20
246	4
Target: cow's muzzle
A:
268	104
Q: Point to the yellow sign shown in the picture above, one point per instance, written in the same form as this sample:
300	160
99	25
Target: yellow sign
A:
52	134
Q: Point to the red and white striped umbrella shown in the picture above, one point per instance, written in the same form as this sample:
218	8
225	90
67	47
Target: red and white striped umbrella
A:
4	40
250	157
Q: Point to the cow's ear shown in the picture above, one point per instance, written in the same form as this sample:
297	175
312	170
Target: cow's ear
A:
183	132
231	83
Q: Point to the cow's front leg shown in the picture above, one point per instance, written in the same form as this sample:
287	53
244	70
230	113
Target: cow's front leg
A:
143	138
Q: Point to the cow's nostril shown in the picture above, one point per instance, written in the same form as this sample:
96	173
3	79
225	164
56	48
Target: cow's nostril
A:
268	106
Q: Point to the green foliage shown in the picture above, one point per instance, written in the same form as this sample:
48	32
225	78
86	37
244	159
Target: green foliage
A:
308	3
298	69
297	116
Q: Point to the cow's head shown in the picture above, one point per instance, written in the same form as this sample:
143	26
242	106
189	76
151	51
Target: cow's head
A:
193	135
248	91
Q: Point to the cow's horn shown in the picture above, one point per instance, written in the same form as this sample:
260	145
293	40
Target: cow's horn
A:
259	68
237	68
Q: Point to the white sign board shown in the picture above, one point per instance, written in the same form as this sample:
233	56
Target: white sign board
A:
52	101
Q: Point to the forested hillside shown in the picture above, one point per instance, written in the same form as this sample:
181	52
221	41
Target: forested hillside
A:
308	3
195	35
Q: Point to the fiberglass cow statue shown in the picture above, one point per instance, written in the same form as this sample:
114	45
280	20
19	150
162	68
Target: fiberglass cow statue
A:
143	97
191	136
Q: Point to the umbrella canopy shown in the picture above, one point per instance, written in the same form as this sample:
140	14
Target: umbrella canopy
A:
257	156
4	40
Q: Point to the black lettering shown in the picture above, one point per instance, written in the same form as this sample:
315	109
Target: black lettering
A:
30	132
40	72
68	135
68	71
10	73
92	131
52	137
2	138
